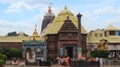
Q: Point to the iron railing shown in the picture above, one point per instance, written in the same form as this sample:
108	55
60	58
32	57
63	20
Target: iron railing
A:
85	64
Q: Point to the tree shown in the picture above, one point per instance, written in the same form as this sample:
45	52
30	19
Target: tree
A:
3	59
11	52
12	34
99	53
16	53
5	51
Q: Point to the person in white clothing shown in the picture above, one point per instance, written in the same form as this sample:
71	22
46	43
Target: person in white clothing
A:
101	62
59	60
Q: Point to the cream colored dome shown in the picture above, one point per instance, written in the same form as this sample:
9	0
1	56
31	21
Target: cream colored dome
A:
57	23
65	11
63	14
35	35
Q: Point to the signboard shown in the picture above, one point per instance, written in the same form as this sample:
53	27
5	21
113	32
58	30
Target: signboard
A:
79	51
118	33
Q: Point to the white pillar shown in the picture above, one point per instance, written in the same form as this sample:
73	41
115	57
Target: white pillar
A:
27	56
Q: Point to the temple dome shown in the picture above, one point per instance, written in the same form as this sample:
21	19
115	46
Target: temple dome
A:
35	35
57	23
65	11
63	14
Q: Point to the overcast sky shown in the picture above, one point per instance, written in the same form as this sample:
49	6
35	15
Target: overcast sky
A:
23	15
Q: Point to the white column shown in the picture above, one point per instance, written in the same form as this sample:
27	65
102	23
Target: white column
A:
27	56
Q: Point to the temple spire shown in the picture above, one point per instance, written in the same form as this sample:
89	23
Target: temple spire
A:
35	28
49	10
35	34
65	7
35	31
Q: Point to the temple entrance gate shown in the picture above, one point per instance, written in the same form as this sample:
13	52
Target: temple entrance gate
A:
28	53
69	50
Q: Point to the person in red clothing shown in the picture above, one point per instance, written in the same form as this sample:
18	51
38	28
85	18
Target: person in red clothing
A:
64	61
69	61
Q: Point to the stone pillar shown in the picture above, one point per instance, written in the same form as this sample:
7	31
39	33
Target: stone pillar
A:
27	55
79	49
79	30
107	33
116	33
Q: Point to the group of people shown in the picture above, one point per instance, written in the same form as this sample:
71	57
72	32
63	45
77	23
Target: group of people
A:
65	61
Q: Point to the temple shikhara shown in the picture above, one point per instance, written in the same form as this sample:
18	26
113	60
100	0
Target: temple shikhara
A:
62	34
59	37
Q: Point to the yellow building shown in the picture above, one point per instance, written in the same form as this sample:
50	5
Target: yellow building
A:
12	41
16	41
110	33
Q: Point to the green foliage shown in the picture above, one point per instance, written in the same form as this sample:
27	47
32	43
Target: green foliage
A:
11	52
99	53
14	33
3	59
1	62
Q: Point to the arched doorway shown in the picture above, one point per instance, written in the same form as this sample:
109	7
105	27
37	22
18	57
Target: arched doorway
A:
28	53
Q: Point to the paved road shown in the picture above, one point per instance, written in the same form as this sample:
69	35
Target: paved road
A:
55	65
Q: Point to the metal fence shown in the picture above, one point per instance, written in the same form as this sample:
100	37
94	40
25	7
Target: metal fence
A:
111	62
105	63
85	64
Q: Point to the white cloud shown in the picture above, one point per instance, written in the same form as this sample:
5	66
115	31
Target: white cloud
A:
91	17
23	25
18	6
113	21
13	24
101	18
7	26
118	11
44	11
106	10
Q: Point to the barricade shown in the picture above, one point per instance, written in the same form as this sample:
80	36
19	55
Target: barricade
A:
85	64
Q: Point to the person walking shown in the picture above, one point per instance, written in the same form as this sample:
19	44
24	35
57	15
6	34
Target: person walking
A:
59	60
101	62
